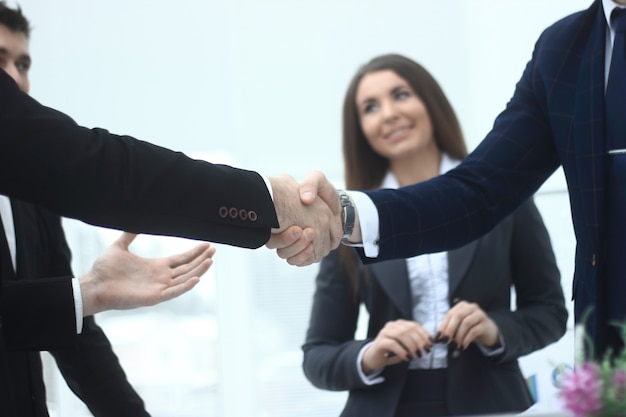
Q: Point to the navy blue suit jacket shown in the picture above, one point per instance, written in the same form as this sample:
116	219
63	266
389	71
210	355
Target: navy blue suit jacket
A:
556	117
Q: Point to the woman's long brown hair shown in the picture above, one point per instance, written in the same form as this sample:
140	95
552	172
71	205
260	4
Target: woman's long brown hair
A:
364	168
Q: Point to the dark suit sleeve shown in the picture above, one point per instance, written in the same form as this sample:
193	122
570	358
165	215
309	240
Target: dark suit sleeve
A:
540	317
124	183
90	367
451	210
94	374
330	351
38	314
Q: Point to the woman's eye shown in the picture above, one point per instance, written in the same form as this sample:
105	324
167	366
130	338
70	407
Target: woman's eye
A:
401	95
370	108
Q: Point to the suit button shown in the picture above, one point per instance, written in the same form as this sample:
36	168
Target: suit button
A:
593	260
235	213
456	354
456	300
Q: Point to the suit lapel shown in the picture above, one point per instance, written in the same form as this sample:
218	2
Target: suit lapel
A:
459	260
393	277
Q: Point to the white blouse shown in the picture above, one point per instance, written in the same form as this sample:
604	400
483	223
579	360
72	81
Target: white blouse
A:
428	277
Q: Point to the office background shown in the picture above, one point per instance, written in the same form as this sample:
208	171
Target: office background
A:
259	84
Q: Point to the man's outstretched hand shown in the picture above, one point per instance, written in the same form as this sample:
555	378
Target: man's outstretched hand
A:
121	280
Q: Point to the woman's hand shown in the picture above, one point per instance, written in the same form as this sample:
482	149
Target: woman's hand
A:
466	323
403	338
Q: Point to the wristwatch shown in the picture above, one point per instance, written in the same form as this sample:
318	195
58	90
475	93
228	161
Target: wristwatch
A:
347	214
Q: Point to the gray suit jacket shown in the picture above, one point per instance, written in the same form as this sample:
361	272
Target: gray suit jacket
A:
516	253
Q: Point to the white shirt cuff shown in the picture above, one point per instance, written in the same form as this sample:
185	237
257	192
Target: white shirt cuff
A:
374	377
368	221
268	185
487	351
78	305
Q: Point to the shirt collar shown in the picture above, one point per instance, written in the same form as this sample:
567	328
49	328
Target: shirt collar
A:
608	6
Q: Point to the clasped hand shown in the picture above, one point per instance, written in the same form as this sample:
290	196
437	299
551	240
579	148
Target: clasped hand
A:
309	215
464	323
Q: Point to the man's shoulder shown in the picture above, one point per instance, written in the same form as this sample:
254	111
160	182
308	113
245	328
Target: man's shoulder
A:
574	26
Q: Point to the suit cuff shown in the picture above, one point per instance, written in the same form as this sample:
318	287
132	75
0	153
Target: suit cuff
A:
368	222
487	351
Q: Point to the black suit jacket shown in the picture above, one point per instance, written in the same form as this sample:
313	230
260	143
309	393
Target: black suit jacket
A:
517	253
112	181
90	367
555	117
124	183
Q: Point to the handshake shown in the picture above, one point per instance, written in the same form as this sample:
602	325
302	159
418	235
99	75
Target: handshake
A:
312	219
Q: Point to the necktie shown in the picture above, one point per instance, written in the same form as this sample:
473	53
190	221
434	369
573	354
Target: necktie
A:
615	119
615	104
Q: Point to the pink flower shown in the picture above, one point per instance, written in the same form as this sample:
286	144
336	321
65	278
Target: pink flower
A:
581	390
619	380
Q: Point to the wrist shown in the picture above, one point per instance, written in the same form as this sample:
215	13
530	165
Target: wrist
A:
280	198
89	294
347	215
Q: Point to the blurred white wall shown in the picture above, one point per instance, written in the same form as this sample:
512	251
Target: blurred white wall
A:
262	82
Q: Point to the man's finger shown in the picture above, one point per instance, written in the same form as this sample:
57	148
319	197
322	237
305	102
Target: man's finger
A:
285	239
126	239
310	186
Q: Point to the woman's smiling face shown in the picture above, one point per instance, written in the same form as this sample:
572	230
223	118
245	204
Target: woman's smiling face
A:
393	118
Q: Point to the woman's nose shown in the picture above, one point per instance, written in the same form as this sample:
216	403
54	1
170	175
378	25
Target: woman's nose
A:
389	111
